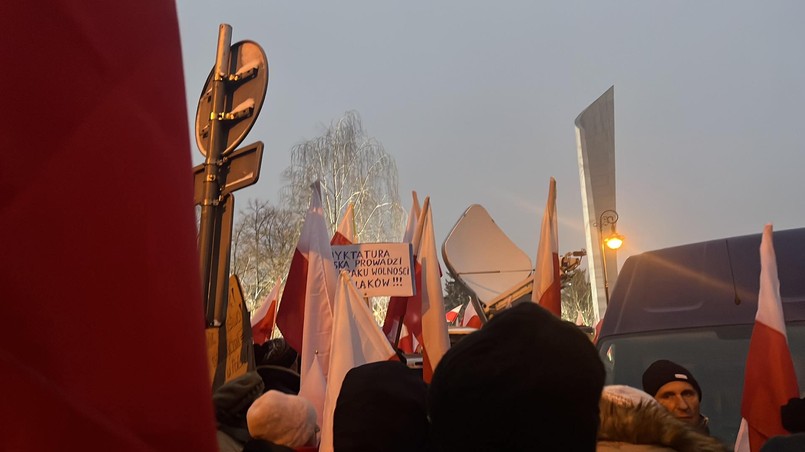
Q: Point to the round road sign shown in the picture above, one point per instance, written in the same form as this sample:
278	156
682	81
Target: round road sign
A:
246	85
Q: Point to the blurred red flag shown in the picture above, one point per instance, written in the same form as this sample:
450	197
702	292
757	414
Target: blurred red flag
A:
104	337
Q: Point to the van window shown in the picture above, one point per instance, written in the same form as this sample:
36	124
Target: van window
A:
716	357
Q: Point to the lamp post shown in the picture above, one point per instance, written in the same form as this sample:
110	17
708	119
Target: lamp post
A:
613	241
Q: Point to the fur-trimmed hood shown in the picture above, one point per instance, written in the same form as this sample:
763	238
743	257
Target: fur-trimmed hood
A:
631	416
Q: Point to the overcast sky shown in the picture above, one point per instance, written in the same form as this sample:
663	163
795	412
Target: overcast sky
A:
476	102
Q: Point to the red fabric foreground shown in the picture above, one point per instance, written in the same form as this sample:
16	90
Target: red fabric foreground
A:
103	338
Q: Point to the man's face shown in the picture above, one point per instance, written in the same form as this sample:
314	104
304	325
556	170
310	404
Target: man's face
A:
681	400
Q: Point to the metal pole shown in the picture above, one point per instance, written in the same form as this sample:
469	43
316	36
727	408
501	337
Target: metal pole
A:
603	258
607	218
209	203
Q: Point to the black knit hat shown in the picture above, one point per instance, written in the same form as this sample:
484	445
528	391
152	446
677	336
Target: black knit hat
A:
381	406
525	381
661	372
232	401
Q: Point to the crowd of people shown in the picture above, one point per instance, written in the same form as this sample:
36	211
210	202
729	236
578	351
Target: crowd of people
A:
526	381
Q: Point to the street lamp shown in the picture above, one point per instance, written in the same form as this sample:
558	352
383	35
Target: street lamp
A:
612	241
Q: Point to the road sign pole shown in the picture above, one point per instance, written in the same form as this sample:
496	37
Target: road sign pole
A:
210	199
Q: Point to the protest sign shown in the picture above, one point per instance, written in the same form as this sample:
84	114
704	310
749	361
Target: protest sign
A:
378	269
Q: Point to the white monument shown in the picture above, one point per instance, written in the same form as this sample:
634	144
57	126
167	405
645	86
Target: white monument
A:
595	138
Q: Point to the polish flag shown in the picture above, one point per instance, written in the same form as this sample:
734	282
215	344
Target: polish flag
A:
345	234
408	342
452	314
90	370
769	380
264	317
397	313
547	288
471	317
305	312
356	340
433	336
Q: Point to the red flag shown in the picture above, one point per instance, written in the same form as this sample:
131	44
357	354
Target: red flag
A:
356	340
433	337
264	317
397	310
452	314
471	317
345	234
104	341
770	379
305	313
547	286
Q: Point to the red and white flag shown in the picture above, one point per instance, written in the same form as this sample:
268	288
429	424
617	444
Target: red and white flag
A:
547	286
397	311
305	315
357	340
452	314
769	380
263	320
471	317
345	234
434	338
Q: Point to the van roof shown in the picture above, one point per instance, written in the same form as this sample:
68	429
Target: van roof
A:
704	284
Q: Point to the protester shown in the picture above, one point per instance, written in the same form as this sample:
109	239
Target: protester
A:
381	406
232	401
526	381
675	388
279	378
275	352
792	415
633	420
283	420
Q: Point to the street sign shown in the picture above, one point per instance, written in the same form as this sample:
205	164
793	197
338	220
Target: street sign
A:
246	83
241	169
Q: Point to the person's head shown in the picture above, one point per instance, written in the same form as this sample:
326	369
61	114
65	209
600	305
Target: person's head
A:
232	401
275	352
525	381
675	388
283	419
793	415
381	406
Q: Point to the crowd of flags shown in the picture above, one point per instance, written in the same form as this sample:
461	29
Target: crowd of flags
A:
326	318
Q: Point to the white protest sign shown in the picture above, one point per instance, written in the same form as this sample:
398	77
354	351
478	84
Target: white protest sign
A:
378	269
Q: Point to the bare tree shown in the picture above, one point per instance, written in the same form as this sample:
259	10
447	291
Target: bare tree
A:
576	297
353	168
263	242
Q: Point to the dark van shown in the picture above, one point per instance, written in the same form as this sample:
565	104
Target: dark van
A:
695	305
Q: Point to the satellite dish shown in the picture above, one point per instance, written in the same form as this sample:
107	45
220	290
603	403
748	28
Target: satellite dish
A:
483	257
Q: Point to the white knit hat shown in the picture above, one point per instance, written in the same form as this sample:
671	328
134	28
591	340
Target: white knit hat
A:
284	419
